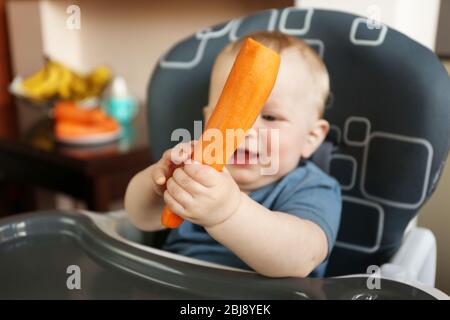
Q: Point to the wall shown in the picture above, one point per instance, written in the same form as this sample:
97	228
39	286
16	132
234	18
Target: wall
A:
24	23
129	38
443	35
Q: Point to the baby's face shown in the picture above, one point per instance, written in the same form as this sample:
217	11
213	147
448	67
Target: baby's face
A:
290	110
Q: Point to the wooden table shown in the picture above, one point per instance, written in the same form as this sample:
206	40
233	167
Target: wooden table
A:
96	174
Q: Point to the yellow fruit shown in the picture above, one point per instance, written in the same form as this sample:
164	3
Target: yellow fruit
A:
46	87
64	89
78	87
55	79
35	79
100	76
98	79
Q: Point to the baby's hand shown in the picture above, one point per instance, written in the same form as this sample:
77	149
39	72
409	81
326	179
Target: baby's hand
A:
170	160
144	197
202	195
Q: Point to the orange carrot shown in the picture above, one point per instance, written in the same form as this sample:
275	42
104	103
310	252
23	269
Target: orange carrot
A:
65	129
247	88
70	111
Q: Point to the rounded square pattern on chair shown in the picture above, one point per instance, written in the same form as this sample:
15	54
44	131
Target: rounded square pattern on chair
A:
362	34
403	155
343	168
356	131
188	57
369	216
243	27
296	21
216	31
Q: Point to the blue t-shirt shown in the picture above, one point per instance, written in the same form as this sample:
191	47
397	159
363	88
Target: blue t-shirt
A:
306	192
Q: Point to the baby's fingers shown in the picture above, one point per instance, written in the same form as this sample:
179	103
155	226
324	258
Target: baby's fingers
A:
159	175
159	179
181	152
170	160
203	174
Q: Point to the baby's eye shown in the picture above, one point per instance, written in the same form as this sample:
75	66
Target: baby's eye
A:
269	117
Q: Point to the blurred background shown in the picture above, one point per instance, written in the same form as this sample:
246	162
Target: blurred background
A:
101	54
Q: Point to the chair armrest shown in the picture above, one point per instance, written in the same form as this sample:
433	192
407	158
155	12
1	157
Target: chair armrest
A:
415	261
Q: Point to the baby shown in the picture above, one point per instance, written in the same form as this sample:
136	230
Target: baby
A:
282	224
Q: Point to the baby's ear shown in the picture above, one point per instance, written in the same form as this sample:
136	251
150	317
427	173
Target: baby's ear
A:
315	138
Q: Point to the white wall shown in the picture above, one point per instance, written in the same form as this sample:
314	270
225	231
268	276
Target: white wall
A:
59	41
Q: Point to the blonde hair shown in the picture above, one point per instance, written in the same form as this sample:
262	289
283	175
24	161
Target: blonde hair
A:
278	42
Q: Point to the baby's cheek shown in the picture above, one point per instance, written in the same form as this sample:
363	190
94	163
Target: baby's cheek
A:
289	151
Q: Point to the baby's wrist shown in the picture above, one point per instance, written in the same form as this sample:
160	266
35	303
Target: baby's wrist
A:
231	215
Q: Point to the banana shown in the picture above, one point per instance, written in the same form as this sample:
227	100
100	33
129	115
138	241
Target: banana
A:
43	84
35	79
100	75
78	86
55	79
49	87
64	89
98	79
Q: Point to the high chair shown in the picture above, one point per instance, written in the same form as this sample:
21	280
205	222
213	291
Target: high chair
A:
389	139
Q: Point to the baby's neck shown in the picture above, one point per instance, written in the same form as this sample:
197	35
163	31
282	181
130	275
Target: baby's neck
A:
246	191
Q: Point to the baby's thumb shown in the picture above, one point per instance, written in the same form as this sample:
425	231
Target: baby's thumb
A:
159	178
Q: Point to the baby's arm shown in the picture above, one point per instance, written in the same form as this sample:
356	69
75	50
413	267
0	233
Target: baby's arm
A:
274	244
144	196
143	204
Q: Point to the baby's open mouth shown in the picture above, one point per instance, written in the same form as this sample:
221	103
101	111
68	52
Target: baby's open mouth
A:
244	157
